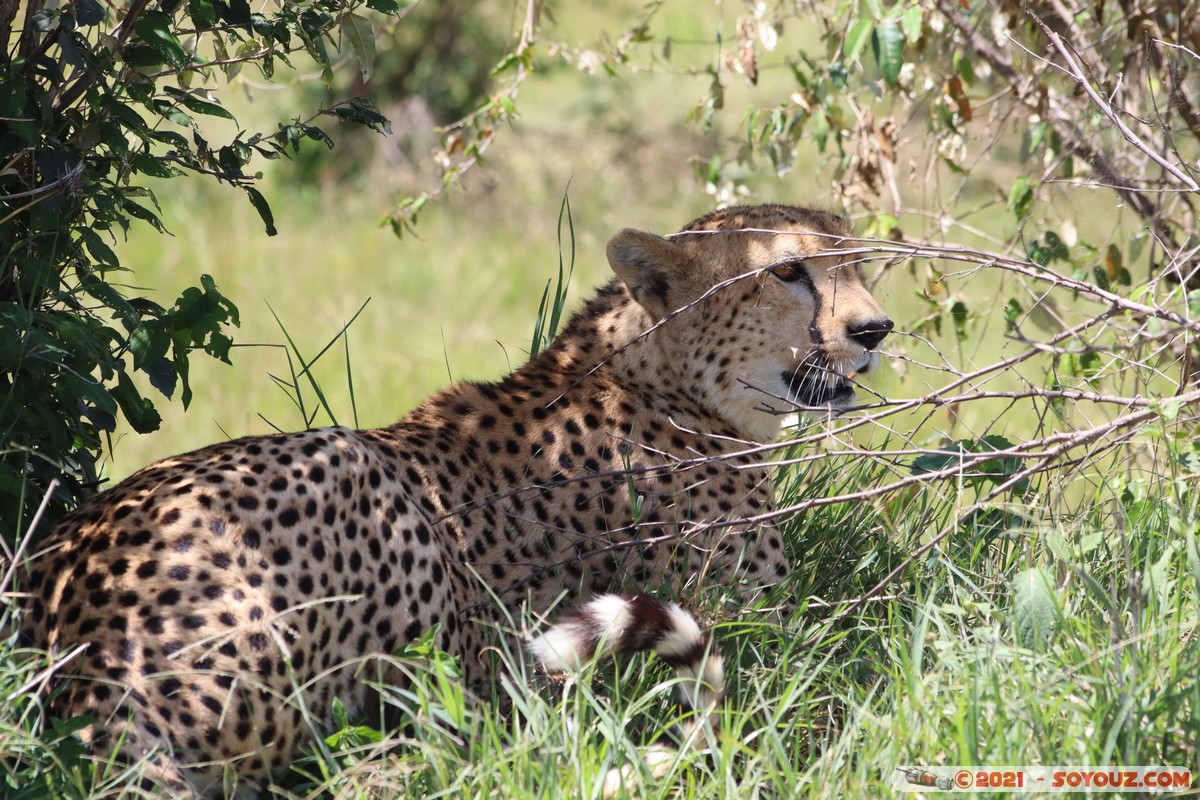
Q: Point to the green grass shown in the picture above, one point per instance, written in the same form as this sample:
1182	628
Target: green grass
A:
938	672
436	300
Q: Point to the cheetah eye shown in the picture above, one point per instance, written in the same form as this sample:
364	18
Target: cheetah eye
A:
790	272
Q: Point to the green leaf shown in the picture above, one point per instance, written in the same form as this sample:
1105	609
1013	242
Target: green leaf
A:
1036	135
142	213
162	376
139	411
960	315
89	12
173	138
147	164
140	89
90	390
508	63
316	134
97	248
887	42
1090	363
340	718
236	11
202	12
194	103
142	55
994	441
282	34
1036	614
179	357
147	343
218	345
936	462
263	27
1058	250
384	6
362	111
44	19
819	128
1013	312
1038	254
154	28
230	161
360	36
313	26
196	312
106	294
910	21
172	111
352	736
264	209
127	116
1020	197
222	54
857	36
210	288
1137	243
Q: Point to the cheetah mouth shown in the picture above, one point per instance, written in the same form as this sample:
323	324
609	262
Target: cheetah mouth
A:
814	385
817	391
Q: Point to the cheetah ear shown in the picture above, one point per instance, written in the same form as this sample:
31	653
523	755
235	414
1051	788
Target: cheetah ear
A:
649	265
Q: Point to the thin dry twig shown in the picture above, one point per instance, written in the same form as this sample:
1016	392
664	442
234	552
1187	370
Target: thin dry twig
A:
1077	73
19	553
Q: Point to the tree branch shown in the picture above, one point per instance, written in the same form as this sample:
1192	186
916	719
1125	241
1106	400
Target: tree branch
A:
1064	122
1077	73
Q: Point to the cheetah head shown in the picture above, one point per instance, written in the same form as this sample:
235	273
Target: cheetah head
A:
759	314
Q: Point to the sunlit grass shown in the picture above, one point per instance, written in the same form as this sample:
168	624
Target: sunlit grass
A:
934	673
442	306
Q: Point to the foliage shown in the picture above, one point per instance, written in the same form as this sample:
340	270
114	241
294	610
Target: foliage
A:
428	66
95	102
1050	149
443	53
552	308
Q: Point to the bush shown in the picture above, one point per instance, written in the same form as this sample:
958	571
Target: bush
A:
95	103
1027	171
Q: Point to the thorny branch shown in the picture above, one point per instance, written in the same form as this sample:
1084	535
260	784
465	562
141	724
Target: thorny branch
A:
1110	362
1083	434
1102	88
1079	75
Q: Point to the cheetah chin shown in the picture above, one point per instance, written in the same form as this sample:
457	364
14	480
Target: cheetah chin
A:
819	387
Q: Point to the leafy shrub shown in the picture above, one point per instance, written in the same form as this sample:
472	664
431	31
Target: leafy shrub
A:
95	102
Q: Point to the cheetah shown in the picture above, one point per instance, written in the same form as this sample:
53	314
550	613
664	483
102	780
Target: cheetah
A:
210	585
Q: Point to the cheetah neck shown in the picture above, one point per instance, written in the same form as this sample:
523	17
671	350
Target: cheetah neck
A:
606	357
609	333
613	340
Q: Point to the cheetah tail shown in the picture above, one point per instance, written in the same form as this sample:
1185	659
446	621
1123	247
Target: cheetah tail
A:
611	624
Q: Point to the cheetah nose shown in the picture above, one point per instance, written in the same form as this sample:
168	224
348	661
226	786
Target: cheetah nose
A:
870	334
